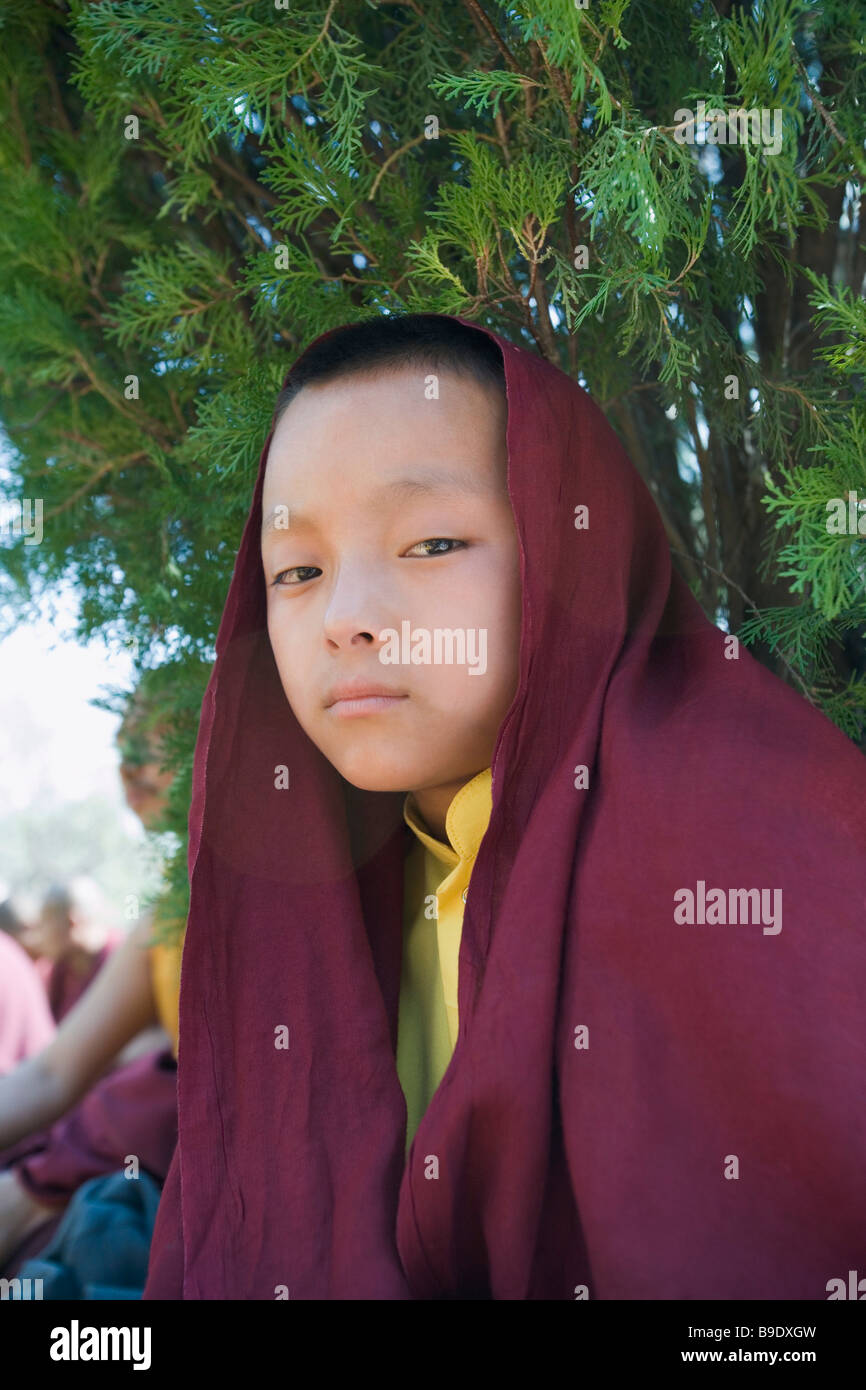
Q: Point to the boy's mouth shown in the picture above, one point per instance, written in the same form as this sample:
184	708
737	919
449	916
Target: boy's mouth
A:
357	697
369	704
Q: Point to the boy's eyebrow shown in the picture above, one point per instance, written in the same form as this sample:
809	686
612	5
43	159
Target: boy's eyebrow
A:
443	480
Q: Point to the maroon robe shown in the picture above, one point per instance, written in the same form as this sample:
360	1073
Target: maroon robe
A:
67	978
131	1110
638	1106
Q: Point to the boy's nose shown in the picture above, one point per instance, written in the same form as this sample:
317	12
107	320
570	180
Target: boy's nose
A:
355	621
343	636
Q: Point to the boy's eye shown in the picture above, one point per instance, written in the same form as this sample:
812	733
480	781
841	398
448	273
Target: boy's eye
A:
303	572
437	540
298	569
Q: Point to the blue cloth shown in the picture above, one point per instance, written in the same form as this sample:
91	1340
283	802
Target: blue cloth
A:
100	1249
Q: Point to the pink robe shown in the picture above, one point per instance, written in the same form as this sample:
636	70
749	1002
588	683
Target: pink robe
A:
26	1025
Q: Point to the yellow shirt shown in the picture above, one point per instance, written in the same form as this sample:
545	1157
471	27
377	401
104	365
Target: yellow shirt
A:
165	980
436	878
435	887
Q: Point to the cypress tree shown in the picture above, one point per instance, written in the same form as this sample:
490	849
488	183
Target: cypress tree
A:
189	192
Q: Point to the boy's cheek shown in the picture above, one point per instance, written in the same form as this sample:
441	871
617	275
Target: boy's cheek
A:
279	640
284	664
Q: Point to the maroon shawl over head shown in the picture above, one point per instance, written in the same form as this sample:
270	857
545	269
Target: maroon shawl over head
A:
637	1105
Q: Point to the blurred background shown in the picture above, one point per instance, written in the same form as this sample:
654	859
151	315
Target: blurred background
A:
63	815
78	868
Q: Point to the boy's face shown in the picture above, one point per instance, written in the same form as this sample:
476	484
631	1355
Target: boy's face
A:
347	559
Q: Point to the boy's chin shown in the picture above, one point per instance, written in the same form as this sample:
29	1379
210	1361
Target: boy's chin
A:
373	781
377	774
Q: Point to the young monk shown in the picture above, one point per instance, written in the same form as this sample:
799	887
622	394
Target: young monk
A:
66	966
535	972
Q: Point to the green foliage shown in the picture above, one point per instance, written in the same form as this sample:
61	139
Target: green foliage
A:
190	192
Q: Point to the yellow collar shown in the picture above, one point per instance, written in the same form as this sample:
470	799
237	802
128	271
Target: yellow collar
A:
466	820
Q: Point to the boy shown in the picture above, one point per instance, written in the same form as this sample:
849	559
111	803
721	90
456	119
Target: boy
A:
633	1074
